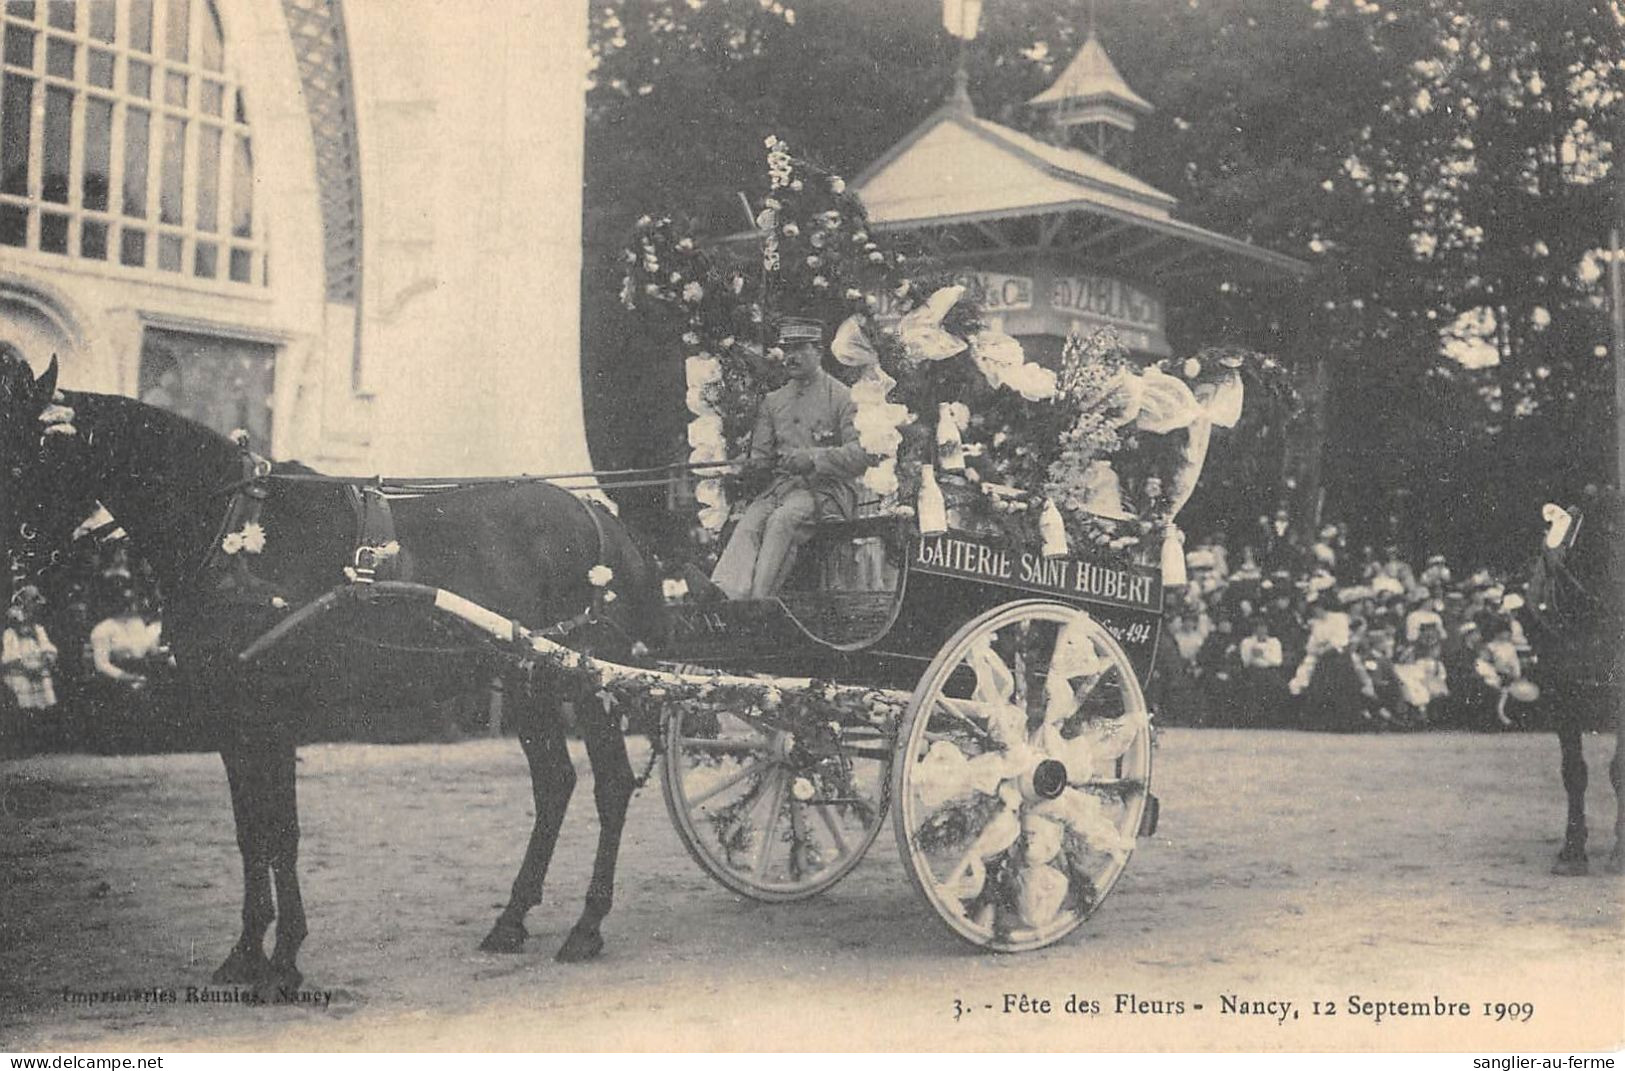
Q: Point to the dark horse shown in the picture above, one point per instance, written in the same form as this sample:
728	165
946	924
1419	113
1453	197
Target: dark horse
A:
522	549
1577	627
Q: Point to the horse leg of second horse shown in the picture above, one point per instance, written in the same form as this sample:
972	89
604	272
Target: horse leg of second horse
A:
246	963
553	779
1571	860
612	792
1616	774
284	849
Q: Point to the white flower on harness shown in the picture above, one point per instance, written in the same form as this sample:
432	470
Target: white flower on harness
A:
599	576
249	540
239	436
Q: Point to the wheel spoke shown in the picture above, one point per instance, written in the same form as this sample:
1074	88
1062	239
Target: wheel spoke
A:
723	786
725	747
779	785
966	710
834	831
800	842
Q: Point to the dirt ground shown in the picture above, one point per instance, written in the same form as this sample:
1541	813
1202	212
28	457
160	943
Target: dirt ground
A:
1293	867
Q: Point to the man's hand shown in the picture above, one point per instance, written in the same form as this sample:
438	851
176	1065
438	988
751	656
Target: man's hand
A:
798	463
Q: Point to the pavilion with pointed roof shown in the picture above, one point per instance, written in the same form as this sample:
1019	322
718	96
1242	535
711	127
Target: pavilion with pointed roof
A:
1054	236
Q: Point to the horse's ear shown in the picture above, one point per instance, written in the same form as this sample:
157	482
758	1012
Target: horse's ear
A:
45	385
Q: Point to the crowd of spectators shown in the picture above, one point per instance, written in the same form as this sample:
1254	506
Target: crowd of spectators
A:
1277	632
84	664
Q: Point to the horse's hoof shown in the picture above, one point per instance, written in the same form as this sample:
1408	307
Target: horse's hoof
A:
580	946
281	986
243	967
505	937
1571	866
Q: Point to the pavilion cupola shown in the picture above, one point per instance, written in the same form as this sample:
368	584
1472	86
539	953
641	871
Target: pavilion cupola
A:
1090	107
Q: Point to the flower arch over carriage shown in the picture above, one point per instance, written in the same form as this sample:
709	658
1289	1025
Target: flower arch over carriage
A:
973	665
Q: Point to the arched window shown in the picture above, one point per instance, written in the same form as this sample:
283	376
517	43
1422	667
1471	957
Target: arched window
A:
124	139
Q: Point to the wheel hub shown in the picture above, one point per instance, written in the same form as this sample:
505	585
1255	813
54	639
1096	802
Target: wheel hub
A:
1046	781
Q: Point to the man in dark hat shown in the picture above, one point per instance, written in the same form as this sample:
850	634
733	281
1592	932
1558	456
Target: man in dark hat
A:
806	431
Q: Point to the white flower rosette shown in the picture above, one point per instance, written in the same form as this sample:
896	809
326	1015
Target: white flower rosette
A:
879	424
707	443
705	440
996	354
713	500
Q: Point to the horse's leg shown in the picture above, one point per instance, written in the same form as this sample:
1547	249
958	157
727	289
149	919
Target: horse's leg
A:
1616	774
612	792
552	780
283	834
1571	860
246	963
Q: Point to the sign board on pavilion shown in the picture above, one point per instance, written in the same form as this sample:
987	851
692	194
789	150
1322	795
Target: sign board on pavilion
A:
1058	302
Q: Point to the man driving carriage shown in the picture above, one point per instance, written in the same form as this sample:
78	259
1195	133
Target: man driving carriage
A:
806	432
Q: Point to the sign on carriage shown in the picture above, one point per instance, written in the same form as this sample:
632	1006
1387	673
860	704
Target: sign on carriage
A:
1137	587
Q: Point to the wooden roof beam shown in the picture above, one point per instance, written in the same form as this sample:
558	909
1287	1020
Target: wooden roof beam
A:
991	233
1184	254
1049	228
1105	234
1137	248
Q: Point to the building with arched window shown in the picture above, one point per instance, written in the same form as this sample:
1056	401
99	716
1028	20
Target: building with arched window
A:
337	225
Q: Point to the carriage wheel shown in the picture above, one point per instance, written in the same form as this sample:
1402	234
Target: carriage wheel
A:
770	813
1024	766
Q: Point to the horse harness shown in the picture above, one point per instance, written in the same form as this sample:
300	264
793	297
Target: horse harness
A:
377	553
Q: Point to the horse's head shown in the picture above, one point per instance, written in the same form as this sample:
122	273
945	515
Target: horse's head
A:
42	502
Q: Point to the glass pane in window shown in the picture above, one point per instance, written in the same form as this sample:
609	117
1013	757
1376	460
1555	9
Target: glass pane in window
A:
58	129
13	225
140	80
136	138
60	14
141	25
59	57
241	112
176	14
20	9
98	152
212	47
213	96
242	265
93	240
169	252
53	232
207	263
100	69
208	178
171	184
16	123
133	248
175	89
19	46
101	20
242	190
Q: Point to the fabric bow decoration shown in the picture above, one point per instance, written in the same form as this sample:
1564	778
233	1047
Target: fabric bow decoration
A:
921	329
851	346
1167	405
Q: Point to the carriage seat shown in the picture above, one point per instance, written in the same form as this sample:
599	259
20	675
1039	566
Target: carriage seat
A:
857	555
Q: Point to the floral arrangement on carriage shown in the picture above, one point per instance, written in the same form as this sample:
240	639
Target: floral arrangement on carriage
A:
960	426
